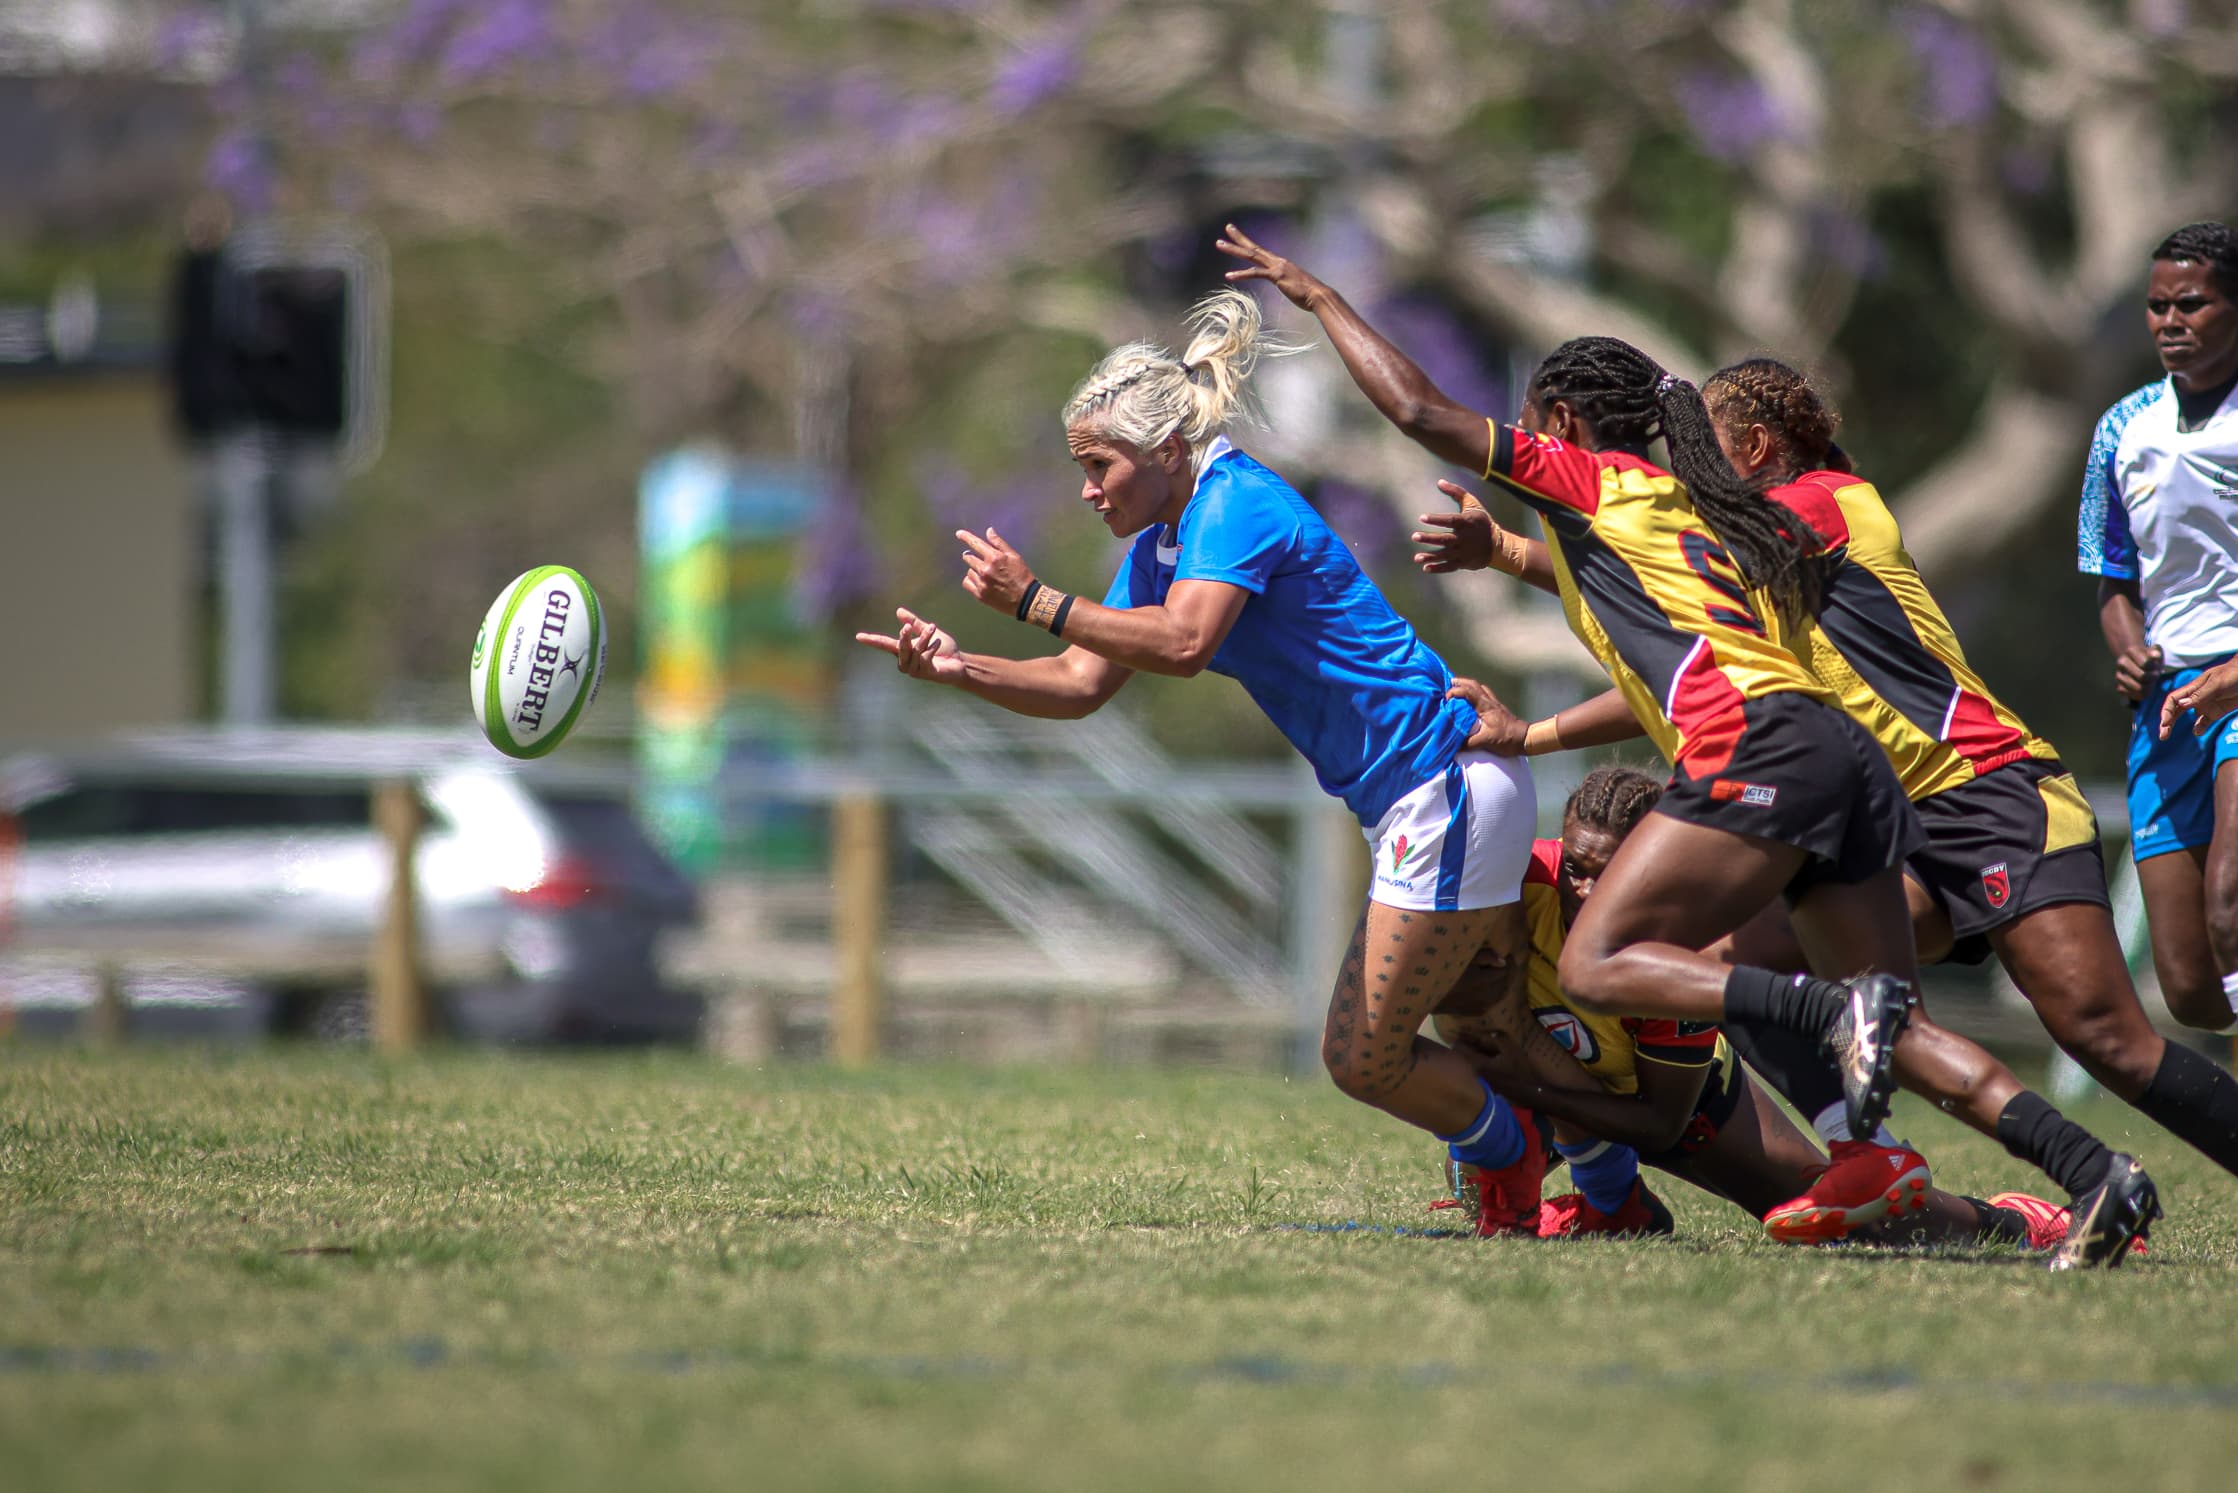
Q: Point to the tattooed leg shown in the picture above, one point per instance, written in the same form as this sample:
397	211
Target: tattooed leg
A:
1401	965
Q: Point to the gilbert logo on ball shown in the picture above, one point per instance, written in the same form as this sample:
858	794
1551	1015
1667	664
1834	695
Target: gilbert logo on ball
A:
537	661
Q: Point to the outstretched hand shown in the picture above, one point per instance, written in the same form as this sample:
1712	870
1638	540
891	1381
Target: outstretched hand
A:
1464	540
2210	697
994	572
921	649
1262	264
1499	730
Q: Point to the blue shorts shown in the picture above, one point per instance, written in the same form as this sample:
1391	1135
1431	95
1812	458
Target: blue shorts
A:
2172	782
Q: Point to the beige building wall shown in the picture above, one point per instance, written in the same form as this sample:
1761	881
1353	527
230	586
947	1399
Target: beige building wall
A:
98	523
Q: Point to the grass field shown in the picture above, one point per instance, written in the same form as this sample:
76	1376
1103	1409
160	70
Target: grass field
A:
311	1269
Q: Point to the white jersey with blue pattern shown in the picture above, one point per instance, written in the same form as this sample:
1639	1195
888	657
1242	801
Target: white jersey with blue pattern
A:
1344	677
2160	507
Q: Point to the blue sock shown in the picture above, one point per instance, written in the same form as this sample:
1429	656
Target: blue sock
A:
1603	1171
1493	1139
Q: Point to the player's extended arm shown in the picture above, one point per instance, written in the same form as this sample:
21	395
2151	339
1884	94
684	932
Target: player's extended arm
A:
1178	637
1651	1119
1393	382
1472	539
1064	686
1601	721
2121	617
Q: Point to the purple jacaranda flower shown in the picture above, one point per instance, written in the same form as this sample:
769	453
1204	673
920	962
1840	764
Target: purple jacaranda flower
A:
1036	73
1463	364
668	66
821	162
1730	116
507	32
613	46
2026	169
1848	241
2160	18
323	118
836	565
861	99
1361	518
240	167
1958	72
714	142
187	38
817	314
1015	507
298	78
950	496
419	120
382	52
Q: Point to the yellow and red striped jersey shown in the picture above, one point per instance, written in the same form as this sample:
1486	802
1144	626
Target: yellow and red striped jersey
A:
1608	1047
1649	589
1882	644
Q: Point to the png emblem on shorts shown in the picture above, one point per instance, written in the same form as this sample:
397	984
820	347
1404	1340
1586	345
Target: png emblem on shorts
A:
1996	884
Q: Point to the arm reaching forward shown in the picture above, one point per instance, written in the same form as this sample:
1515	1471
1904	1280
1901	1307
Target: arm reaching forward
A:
1392	381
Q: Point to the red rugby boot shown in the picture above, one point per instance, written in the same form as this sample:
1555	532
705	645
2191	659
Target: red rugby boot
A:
1507	1199
1864	1184
1570	1216
2047	1222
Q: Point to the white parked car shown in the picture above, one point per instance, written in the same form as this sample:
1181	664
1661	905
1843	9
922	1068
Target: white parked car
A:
232	881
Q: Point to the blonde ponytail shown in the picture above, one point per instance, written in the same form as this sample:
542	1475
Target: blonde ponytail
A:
1141	393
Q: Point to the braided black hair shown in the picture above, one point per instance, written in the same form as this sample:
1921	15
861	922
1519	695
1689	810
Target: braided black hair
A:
1626	399
1613	799
2214	245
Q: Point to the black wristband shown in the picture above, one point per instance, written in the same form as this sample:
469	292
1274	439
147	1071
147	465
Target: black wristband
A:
1064	610
1027	599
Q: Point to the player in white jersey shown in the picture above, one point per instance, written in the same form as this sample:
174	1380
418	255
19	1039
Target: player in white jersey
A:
2159	527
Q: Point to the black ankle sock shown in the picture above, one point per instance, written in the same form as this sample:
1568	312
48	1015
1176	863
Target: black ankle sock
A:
1995	1225
1790	1062
1797	1002
2198	1101
2046	1139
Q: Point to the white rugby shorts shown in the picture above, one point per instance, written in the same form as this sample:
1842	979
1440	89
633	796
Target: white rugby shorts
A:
1459	841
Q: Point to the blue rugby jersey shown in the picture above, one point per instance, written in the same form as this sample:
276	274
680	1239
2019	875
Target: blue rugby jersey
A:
1317	647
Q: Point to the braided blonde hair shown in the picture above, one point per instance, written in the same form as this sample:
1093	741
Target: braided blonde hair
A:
1141	393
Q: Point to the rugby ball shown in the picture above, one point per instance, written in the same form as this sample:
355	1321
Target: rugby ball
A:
538	660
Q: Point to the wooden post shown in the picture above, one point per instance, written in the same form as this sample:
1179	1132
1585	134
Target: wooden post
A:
399	991
858	923
107	1019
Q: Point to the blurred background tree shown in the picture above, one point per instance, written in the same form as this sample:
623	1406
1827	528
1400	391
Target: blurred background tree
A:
887	235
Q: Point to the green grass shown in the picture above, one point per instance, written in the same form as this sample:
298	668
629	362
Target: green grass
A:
297	1269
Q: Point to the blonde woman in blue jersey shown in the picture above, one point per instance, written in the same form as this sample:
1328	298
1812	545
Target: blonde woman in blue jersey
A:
1229	570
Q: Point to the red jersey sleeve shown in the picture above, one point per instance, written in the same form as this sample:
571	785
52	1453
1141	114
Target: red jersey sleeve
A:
1812	497
1549	475
1545	864
1689	1044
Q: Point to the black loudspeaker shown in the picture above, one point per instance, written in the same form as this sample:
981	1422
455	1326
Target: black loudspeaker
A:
264	345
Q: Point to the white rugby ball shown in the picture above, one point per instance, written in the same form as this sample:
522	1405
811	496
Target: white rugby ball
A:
538	660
